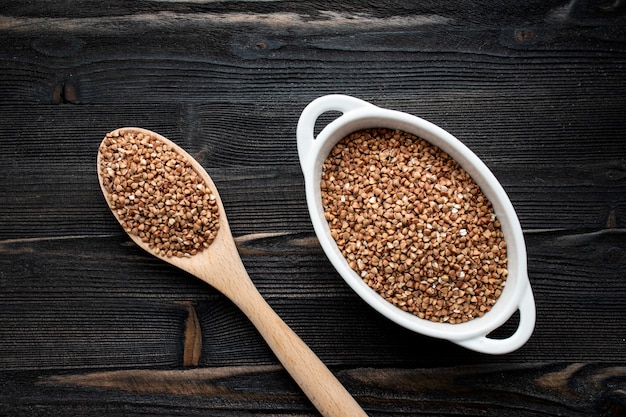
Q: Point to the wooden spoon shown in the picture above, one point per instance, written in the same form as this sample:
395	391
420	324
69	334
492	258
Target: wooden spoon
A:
220	266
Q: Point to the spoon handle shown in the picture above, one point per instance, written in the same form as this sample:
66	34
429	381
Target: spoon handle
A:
314	378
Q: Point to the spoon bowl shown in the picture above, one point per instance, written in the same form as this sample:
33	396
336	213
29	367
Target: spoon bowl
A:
220	265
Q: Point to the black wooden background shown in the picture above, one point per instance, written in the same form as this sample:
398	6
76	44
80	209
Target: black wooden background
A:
91	325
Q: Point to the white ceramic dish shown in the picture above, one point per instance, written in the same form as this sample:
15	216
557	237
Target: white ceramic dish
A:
357	115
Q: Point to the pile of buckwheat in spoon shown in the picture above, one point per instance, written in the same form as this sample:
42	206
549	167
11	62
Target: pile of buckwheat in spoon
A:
414	225
156	194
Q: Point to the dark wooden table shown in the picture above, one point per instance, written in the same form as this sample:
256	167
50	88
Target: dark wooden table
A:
91	325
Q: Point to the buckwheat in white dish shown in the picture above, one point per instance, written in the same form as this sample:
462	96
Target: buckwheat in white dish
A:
415	223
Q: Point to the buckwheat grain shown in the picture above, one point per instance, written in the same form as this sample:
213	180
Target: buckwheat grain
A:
414	225
157	195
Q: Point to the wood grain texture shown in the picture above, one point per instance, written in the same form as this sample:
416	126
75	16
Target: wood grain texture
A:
91	325
572	389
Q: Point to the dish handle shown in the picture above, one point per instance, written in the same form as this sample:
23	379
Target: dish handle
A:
306	124
524	330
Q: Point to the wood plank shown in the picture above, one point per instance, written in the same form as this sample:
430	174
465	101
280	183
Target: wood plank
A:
194	69
262	52
259	176
532	389
472	11
103	289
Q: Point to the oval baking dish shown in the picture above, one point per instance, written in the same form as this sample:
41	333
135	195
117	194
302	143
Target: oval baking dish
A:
357	115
